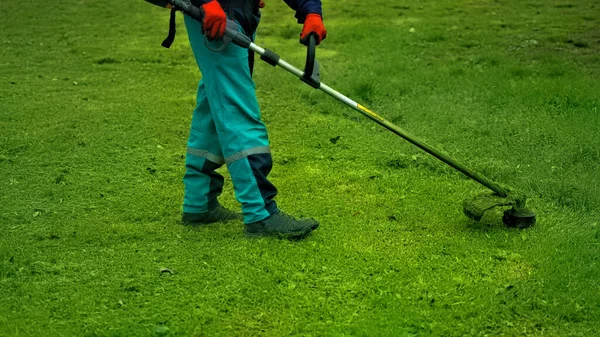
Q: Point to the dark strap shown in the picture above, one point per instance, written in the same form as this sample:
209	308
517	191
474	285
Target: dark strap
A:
172	30
251	61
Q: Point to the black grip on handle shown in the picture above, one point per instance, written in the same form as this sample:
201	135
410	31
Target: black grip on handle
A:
195	12
311	52
311	69
186	7
232	33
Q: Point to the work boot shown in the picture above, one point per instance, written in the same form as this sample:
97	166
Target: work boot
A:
281	225
217	214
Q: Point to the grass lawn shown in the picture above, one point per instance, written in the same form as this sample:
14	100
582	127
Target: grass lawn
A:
94	117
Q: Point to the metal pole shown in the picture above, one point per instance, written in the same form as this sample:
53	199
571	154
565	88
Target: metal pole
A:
501	191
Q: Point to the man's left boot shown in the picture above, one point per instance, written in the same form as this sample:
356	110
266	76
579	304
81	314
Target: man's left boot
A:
216	214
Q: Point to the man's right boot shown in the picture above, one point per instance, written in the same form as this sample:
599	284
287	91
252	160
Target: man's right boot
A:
281	225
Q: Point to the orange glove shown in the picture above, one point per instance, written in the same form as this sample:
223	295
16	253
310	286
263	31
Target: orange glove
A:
215	20
313	24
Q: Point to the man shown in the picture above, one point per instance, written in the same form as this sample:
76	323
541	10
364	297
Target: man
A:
227	127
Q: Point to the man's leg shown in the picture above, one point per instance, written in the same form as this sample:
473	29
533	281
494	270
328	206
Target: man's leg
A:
243	137
202	184
242	134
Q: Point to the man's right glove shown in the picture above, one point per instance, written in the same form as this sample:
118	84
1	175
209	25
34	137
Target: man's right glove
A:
313	24
215	20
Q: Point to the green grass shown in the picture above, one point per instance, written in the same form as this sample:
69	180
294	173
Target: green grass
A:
93	126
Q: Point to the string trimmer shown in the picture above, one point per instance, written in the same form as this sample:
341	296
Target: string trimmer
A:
516	216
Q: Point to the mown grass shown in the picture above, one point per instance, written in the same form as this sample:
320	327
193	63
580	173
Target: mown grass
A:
93	125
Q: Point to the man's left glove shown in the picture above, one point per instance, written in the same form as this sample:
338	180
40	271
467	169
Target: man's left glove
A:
313	24
215	20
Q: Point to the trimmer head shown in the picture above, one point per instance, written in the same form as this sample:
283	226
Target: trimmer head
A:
517	216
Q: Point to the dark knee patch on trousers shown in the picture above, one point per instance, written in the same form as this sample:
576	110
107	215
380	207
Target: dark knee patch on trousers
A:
261	165
216	180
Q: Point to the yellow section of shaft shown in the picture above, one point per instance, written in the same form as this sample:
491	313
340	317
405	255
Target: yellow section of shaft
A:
370	113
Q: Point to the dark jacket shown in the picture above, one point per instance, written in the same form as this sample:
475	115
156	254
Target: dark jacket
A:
302	7
305	7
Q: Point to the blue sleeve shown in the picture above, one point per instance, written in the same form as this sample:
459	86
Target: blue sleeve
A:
305	7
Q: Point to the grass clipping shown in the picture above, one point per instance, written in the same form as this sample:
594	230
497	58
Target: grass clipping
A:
476	206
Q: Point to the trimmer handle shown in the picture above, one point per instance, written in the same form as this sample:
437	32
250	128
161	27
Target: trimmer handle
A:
233	34
312	75
232	31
